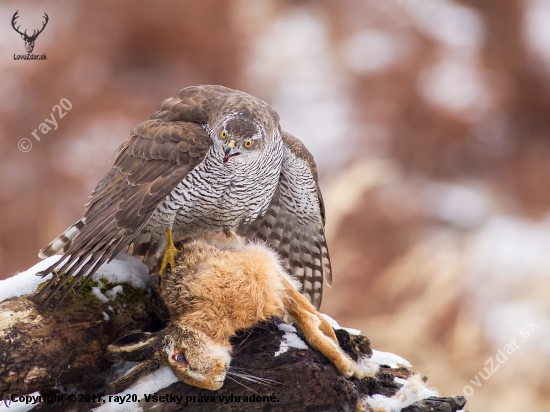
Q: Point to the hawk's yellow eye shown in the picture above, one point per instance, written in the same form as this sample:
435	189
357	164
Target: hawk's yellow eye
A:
248	143
224	135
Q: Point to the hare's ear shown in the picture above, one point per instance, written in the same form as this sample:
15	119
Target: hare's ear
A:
135	374
135	346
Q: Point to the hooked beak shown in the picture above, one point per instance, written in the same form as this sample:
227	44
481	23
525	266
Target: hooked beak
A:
229	151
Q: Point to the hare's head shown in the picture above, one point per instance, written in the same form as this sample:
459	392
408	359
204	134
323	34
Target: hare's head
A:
193	357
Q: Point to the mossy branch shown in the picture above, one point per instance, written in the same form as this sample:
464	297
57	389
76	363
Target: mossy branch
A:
44	350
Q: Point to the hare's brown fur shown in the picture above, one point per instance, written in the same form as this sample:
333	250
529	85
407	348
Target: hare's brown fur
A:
216	289
220	291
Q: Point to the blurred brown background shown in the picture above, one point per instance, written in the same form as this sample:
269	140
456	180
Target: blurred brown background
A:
429	121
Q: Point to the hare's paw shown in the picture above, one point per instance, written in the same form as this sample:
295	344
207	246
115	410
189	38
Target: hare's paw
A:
344	364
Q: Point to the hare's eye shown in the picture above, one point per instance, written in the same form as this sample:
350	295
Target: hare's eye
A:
178	357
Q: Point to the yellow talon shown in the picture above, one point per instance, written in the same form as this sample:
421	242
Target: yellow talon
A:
170	253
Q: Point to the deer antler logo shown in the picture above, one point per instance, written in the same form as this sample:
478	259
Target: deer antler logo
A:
29	40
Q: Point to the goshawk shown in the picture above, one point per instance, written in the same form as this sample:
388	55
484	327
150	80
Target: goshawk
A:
209	159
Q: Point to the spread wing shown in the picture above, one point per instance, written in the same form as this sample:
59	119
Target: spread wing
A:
294	223
150	164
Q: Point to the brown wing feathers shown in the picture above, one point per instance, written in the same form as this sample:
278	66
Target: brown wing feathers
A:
150	165
192	104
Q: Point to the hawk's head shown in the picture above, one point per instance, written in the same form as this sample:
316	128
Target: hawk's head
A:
242	137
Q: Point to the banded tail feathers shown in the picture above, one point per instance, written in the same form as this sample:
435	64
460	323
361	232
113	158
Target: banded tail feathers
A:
59	244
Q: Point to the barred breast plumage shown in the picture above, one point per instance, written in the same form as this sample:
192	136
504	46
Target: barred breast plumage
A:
209	159
215	197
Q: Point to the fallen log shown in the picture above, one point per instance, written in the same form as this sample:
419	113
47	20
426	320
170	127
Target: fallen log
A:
59	355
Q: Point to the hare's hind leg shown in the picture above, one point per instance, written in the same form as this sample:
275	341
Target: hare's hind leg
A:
325	327
316	329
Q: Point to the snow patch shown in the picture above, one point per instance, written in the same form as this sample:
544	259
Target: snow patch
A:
97	293
335	325
389	359
111	294
290	339
413	390
123	268
287	328
26	282
365	366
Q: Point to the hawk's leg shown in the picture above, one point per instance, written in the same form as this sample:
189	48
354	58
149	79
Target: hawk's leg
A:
169	253
233	241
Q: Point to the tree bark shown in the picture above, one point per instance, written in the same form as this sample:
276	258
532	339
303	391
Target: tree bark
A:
45	350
